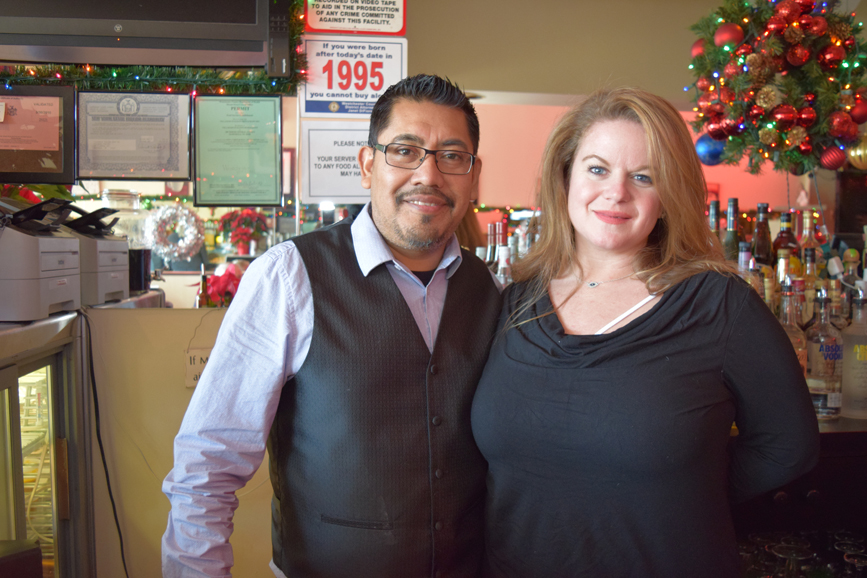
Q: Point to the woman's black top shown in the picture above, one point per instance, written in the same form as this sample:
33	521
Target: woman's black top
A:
610	455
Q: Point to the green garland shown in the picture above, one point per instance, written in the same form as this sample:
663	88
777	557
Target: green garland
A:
759	61
176	79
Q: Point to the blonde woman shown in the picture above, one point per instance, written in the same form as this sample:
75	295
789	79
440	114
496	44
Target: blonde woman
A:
626	349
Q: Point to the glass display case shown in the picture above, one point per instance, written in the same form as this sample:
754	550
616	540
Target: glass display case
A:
41	441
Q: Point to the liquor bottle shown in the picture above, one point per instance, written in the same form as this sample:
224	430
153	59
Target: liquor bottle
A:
491	254
851	260
713	218
855	361
786	238
808	240
504	266
744	260
202	299
824	362
762	245
789	321
810	278
732	238
838	320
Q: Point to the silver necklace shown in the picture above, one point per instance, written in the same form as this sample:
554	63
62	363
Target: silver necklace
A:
592	284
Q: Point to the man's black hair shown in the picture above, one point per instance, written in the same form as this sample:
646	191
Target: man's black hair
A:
423	88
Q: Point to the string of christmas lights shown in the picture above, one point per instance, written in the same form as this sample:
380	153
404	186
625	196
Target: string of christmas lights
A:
170	79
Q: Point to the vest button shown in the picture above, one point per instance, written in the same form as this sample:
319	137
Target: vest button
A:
433	369
436	420
438	526
438	473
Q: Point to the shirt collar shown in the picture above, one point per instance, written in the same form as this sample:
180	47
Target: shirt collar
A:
371	250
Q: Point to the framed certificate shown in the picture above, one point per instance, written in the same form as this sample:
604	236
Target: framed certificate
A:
37	135
123	135
238	151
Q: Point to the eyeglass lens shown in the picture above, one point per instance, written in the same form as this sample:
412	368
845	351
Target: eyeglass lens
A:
411	157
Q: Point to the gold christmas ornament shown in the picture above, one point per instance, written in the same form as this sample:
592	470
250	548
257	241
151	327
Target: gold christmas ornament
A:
858	154
846	98
796	136
839	29
768	136
766	98
793	35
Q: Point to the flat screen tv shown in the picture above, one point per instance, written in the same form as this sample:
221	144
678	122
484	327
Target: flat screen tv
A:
208	33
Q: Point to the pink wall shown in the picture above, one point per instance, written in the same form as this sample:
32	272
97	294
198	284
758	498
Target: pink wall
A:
513	140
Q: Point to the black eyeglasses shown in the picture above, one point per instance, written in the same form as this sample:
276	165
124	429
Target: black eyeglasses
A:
411	157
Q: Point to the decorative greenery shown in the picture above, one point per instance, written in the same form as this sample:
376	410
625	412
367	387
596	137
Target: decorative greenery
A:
175	79
782	59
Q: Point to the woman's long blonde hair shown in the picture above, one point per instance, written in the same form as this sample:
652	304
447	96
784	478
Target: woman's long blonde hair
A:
680	245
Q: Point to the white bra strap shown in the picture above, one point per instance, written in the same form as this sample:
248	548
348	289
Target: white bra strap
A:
626	314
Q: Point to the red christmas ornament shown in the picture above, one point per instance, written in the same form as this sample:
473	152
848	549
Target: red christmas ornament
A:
744	50
831	56
705	100
806	117
715	131
818	26
809	99
776	25
798	55
805	148
851	133
849	43
805	21
728	33
732	69
756	113
806	5
785	116
832	158
839	122
716	111
858	113
697	48
703	83
726	94
788	9
732	126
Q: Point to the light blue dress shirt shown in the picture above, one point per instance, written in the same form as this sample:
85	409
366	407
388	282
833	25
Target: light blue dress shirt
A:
262	343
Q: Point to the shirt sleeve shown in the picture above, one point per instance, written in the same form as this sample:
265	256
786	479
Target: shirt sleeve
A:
261	343
778	434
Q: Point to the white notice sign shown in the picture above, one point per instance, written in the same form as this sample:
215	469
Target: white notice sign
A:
356	16
329	162
195	361
347	74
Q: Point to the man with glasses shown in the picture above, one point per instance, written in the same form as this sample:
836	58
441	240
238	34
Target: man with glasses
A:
355	351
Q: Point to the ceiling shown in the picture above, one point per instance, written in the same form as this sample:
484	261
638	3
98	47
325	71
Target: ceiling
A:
541	51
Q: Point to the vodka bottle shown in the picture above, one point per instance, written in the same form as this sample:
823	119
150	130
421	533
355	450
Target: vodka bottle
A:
838	318
855	361
810	279
762	246
824	363
744	259
789	321
491	254
504	266
732	238
851	260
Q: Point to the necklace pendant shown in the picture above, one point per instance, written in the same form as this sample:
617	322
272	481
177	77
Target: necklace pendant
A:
593	284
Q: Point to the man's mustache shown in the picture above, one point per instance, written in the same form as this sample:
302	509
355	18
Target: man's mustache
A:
425	191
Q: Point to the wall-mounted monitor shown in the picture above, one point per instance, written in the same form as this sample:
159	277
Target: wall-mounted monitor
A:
208	33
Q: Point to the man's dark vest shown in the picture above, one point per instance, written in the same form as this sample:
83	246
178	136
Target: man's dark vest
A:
373	463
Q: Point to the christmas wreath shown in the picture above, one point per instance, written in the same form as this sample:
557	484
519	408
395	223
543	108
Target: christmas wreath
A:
780	82
181	221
